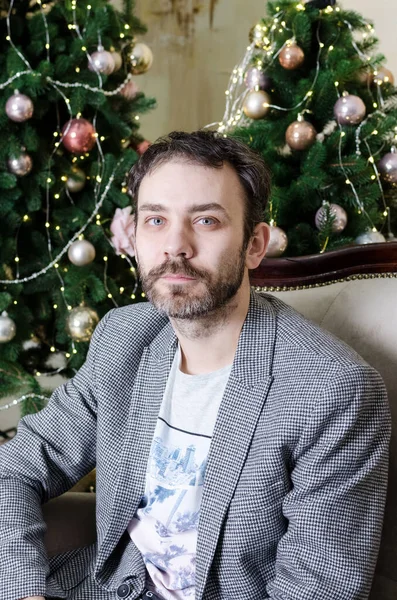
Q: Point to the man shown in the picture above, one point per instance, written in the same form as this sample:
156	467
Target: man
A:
241	451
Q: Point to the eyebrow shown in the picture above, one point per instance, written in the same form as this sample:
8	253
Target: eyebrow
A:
193	209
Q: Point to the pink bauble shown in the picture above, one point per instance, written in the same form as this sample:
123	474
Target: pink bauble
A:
349	110
101	61
388	167
336	212
256	78
78	135
19	108
142	147
130	90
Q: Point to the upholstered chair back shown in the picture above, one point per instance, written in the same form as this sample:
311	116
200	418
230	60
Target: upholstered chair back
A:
363	313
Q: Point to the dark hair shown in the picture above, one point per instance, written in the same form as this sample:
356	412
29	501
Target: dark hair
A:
210	149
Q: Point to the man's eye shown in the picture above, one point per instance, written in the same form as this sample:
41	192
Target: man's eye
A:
155	221
207	221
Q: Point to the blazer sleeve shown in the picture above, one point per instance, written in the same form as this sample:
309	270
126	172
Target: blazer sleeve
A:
52	450
339	482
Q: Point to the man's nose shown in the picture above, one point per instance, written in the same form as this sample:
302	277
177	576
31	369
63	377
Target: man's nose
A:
178	242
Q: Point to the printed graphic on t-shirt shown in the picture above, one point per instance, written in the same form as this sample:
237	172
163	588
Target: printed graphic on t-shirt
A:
165	525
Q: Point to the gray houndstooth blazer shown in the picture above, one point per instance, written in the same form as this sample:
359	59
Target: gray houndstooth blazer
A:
295	486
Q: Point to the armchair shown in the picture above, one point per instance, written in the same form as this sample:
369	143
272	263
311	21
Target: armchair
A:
351	293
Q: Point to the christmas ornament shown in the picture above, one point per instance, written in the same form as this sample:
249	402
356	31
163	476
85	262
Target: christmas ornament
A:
20	165
300	135
123	230
370	237
130	90
78	135
138	57
101	61
81	253
291	57
76	181
256	78
19	107
7	328
382	76
256	104
349	110
388	167
143	146
257	35
334	211
117	59
81	323
365	76
278	242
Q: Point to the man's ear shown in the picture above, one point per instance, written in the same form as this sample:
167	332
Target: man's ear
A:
257	245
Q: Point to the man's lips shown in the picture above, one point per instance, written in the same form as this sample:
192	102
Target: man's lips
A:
176	277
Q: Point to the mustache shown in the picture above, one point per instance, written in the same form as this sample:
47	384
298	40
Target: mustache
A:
177	268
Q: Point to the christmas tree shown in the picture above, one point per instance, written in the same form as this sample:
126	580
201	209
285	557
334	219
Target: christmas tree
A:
313	97
69	122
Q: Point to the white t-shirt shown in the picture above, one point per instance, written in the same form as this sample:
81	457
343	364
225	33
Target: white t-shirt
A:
164	528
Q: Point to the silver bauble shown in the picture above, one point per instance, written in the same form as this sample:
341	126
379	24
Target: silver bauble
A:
388	167
81	253
256	78
20	165
7	328
76	181
349	110
19	108
278	242
256	104
101	61
370	237
138	57
339	217
81	323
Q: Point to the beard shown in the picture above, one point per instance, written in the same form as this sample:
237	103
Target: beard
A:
208	293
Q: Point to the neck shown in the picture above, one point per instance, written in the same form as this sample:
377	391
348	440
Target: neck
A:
209	343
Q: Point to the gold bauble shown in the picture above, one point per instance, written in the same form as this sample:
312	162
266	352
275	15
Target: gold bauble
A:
291	57
300	135
257	35
383	76
138	58
256	104
81	323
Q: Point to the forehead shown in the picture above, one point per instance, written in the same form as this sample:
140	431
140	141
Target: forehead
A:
182	183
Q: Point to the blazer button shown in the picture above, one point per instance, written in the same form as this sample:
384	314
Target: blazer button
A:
124	590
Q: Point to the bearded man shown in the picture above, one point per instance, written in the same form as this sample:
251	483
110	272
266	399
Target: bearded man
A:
241	451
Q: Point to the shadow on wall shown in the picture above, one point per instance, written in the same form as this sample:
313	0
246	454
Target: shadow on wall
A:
185	12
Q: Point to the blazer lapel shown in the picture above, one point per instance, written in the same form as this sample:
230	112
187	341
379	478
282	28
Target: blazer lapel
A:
147	395
241	406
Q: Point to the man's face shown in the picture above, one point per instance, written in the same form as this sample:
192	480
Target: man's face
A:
189	238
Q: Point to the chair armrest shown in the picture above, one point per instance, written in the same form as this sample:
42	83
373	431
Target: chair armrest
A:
71	522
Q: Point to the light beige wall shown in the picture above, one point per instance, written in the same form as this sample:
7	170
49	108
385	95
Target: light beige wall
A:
192	61
384	15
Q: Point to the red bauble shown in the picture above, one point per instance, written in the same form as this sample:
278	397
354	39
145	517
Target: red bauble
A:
142	147
79	135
